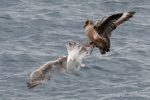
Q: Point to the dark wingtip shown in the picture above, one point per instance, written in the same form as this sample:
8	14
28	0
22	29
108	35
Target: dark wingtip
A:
132	12
31	85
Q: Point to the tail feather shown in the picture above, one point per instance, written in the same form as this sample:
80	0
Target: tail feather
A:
102	51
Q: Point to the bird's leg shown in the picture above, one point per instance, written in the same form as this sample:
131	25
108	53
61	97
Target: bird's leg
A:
88	42
91	45
92	50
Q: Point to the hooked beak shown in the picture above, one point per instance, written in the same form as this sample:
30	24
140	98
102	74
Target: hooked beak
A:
84	26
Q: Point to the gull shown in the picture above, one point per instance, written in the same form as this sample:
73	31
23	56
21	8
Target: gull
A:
99	34
76	53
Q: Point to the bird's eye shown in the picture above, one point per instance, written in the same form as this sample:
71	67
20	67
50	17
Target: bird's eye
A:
86	22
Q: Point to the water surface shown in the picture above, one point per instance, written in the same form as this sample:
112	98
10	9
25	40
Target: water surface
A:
33	32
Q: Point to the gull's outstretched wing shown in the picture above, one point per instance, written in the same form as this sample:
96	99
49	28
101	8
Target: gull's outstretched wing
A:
44	73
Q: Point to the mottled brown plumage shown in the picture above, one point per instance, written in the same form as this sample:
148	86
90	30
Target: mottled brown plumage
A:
100	33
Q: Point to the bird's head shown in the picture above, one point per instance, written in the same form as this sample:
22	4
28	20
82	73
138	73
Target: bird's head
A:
88	22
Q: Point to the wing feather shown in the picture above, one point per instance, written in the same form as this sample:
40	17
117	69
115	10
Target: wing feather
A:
106	27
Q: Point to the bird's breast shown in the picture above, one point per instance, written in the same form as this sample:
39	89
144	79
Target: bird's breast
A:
92	34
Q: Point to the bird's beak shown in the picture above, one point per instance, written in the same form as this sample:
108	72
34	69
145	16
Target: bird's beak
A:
84	26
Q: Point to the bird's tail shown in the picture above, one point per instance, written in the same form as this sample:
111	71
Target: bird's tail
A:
102	51
107	39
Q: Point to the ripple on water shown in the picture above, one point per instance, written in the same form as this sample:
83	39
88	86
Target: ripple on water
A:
34	32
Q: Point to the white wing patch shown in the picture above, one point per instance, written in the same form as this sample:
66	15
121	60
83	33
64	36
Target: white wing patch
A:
124	16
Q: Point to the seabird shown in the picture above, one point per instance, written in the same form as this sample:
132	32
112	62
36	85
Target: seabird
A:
76	53
100	33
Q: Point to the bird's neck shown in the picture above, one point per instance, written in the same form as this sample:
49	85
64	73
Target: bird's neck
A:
89	29
91	32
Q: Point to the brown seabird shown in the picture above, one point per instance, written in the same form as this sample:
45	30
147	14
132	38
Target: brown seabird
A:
100	33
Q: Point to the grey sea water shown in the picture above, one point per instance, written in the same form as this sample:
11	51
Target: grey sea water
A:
33	32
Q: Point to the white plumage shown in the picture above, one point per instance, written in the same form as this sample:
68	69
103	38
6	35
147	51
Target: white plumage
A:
76	53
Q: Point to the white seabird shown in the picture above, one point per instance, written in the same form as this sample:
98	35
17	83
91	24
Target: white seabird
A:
76	53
